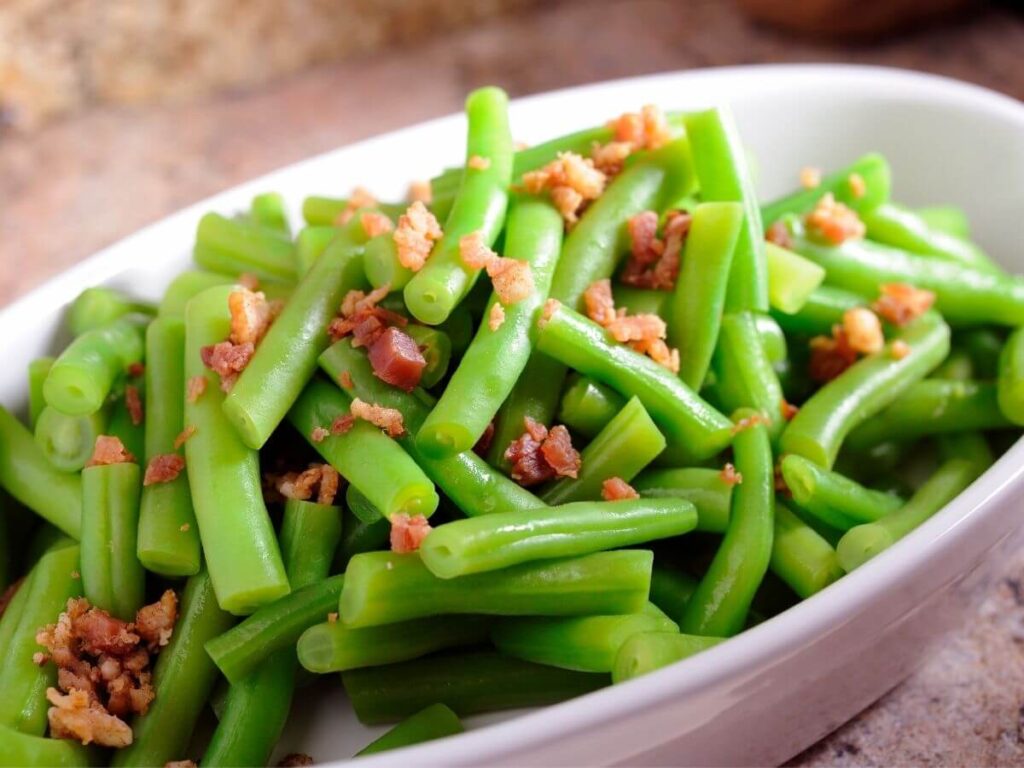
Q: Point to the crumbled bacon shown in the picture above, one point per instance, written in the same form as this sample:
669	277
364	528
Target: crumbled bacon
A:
133	403
647	130
375	223
136	369
484	443
319	434
512	279
421	192
653	262
810	177
599	302
359	199
184	436
363	319
251	316
627	328
321	480
345	380
749	421
388	419
408	533
900	303
194	388
496	317
899	349
415	235
155	622
778	233
834	222
617	489
163	468
858	187
830	355
227	360
539	455
249	280
295	760
548	311
478	163
343	424
474	252
397	360
644	333
787	409
729	475
332	617
863	330
76	716
109	450
572	181
611	157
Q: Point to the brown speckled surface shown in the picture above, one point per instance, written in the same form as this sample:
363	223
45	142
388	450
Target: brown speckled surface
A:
81	184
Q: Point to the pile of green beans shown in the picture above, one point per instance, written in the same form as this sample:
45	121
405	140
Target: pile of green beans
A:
463	564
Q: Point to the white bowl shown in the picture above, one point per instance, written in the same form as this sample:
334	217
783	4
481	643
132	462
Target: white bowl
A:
769	693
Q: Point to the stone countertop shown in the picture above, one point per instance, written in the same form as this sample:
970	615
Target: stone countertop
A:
81	184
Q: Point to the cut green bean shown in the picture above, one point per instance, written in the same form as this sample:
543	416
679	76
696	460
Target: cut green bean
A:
468	683
587	406
773	339
268	210
643	301
1010	381
310	533
823	308
791	278
832	498
238	540
671	589
864	389
324	211
21	749
38	370
710	494
872	168
801	557
492	542
627	444
361	506
946	218
430	723
68	441
436	347
383	588
233	247
124	422
984	346
99	306
359	536
534	395
971	446
189	284
958	366
650	651
310	243
382	265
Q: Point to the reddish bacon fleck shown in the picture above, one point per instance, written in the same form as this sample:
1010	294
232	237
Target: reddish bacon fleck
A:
653	262
163	469
863	330
319	434
484	443
227	360
194	388
345	379
408	533
375	223
900	303
729	475
417	231
830	355
136	369
834	222
478	163
133	402
559	453
749	421
539	455
778	233
787	410
899	349
388	419
496	317
617	489
184	436
109	450
397	360
343	424
359	199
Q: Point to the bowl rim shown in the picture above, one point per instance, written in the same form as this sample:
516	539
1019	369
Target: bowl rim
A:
750	649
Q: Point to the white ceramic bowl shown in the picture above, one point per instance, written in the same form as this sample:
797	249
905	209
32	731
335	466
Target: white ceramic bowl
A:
769	693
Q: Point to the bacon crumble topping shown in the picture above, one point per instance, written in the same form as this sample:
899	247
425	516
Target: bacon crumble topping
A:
194	388
133	403
478	163
359	199
645	333
420	192
109	450
617	489
163	468
787	409
375	223
415	235
540	454
319	434
295	760
319	481
778	233
863	330
810	177
345	380
750	421
899	349
512	279
899	303
858	187
834	222
571	180
184	436
729	475
496	317
388	419
653	262
830	355
408	533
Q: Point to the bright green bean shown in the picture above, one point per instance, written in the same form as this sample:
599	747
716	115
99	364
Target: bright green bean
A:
68	441
436	347
268	210
99	306
310	533
791	278
704	488
832	498
38	370
383	588
872	168
800	556
1011	378
671	589
773	339
649	651
643	301
823	308
21	750
984	346
360	536
324	211
382	265
430	723
946	218
971	446
233	247
122	423
587	406
310	243
192	283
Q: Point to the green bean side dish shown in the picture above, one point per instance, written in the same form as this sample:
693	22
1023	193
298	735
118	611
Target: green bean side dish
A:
572	413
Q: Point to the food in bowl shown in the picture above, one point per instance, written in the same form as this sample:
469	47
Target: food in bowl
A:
592	409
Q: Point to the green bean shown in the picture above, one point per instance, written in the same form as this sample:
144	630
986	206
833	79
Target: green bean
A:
695	311
268	210
437	351
957	367
933	407
459	327
361	506
671	589
38	370
285	359
382	264
383	588
324	211
832	498
627	444
233	247
99	306
872	168
963	295
791	278
495	359
720	605
704	488
12	614
112	576
491	542
21	749
310	533
535	394
479	206
984	346
192	283
904	229
642	301
68	441
336	647
801	557
587	406
240	650
310	243
224	478
82	376
430	723
686	420
864	389
823	308
1011	377
773	339
723	176
946	218
864	542
466	479
359	536
29	477
365	456
168	541
468	683
967	445
585	643
649	651
183	680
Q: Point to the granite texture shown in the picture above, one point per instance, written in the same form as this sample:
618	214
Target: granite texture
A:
78	185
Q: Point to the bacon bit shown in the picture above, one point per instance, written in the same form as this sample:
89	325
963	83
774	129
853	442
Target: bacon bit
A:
478	163
646	130
729	475
8	595
136	369
512	279
40	659
249	280
778	233
474	253
900	303
863	330
611	157
899	349
559	453
496	317
361	317
343	424
617	489
420	192
787	410
750	421
357	301
625	328
539	455
599	302
321	479
184	436
644	333
830	356
408	533
76	716
251	316
155	622
227	360
834	222
109	450
319	434
375	223
332	617
163	469
858	187
133	402
194	388
415	235
654	263
810	177
388	419
295	760
572	181
345	380
360	198
548	311
184	527
397	360
484	443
